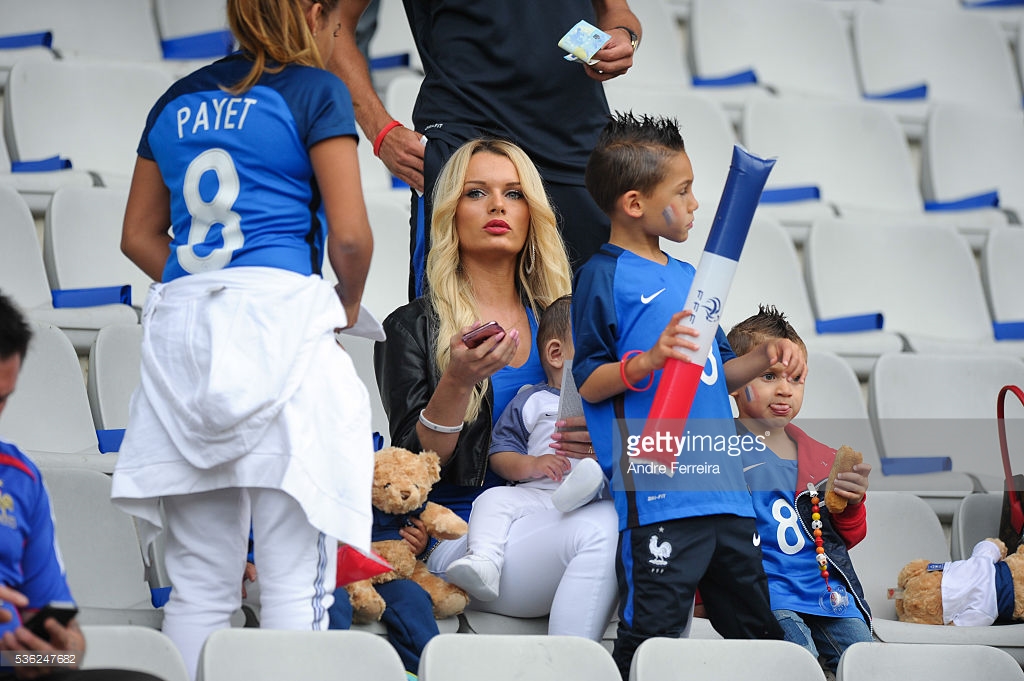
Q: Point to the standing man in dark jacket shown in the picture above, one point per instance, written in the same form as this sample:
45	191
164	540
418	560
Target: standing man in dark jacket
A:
495	69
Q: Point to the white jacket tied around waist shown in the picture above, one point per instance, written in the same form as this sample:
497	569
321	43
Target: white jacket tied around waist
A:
244	385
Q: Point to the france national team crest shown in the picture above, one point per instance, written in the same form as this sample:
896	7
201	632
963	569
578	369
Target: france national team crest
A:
660	552
711	307
7	518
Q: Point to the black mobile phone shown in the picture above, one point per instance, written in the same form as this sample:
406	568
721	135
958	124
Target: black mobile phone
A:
481	333
62	611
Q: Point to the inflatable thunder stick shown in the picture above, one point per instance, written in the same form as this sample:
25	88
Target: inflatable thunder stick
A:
679	380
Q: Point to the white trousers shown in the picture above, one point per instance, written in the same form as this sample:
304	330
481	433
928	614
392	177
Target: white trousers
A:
205	552
495	510
560	565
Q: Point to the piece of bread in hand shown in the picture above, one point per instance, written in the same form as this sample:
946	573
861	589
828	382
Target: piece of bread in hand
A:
846	459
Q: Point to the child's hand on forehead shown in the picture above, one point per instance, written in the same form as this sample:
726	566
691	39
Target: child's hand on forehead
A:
786	358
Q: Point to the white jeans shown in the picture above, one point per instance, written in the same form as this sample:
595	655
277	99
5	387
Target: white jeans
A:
561	565
207	538
495	510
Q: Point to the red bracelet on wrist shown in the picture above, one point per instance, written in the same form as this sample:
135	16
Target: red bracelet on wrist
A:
622	372
382	134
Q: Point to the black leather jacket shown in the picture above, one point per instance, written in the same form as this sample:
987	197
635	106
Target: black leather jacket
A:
407	376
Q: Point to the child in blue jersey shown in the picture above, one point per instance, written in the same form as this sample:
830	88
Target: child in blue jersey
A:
31	568
248	410
823	611
694	527
520	452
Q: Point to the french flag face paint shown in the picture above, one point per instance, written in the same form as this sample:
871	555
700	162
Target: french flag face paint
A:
747	177
670	216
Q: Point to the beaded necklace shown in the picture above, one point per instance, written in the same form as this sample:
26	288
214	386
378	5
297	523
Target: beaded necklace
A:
835	599
816	526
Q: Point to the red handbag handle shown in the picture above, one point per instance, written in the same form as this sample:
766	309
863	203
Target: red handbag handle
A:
1016	508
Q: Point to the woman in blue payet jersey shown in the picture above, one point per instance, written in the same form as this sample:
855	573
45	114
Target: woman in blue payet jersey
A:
248	409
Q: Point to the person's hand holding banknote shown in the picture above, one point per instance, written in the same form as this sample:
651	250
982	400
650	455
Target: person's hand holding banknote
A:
583	41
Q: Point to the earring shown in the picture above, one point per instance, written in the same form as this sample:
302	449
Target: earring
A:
533	258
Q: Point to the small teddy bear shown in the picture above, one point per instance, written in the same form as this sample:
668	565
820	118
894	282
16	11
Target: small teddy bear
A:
401	482
977	591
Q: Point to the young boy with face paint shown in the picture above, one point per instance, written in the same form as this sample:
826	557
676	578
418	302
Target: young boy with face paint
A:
819	602
690	525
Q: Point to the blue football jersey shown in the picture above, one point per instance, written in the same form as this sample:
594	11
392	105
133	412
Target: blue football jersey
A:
623	302
30	561
788	554
243	191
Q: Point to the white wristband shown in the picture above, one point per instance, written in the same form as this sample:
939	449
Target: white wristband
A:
438	428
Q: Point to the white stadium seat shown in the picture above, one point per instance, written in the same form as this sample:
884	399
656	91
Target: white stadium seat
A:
271	655
944	405
461	657
770	274
922	279
127	646
791	47
89	112
957	55
23	278
113	374
971	150
855	156
667	659
101	550
938	662
1003	279
48	415
82	242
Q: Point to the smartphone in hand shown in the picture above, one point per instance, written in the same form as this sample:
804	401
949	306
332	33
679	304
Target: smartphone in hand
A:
481	333
62	611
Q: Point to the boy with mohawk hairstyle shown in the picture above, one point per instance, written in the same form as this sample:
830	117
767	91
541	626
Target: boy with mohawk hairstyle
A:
818	602
694	527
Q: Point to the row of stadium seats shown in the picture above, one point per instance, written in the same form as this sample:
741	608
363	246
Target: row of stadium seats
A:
174	34
794	49
263	655
847	158
104	566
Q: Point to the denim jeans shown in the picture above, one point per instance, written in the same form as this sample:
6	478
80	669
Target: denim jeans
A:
824	637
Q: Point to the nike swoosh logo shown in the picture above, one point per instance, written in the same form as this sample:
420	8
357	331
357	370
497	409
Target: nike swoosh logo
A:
753	466
646	299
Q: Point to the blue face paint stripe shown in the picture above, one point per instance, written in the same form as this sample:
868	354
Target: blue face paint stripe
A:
749	393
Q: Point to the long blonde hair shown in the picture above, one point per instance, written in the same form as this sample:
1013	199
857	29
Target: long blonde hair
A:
542	269
274	31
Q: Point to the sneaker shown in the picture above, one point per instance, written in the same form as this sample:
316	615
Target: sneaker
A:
579	487
477	575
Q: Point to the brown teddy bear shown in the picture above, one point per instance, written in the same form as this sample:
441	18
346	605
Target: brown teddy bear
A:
401	482
977	591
